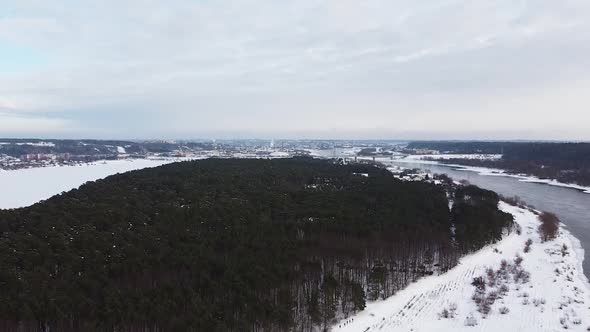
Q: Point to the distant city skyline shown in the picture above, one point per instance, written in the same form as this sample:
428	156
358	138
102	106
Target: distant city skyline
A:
332	69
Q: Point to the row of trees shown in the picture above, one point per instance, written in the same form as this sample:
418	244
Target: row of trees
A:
230	245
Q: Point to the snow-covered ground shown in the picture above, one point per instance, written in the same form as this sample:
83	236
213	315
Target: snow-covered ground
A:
46	144
329	153
279	154
557	295
23	187
492	171
455	156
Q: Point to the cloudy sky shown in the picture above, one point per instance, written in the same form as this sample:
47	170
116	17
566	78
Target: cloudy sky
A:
502	69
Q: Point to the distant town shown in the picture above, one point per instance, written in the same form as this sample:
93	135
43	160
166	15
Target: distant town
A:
563	162
28	153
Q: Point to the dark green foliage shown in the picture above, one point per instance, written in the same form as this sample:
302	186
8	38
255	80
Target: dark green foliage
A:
477	219
224	245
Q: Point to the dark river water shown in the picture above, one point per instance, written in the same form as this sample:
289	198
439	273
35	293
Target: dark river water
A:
571	205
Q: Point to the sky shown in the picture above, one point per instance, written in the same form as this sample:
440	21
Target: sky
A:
383	69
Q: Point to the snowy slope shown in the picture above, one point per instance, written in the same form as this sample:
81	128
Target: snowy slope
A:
550	301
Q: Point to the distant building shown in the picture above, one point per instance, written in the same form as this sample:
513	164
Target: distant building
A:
426	151
36	157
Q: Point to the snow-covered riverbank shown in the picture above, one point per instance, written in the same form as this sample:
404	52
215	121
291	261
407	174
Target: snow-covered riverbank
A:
489	171
556	297
27	186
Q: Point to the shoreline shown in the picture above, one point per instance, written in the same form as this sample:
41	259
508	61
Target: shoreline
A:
499	172
580	253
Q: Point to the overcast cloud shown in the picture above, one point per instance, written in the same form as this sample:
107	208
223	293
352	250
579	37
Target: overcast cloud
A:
500	69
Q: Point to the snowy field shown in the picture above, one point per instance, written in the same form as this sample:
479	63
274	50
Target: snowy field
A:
556	298
491	171
24	187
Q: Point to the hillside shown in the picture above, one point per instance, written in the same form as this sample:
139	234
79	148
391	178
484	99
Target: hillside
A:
231	245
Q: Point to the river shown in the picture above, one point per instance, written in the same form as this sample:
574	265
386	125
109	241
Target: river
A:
571	205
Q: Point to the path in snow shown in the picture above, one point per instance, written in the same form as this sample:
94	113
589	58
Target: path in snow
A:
566	295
